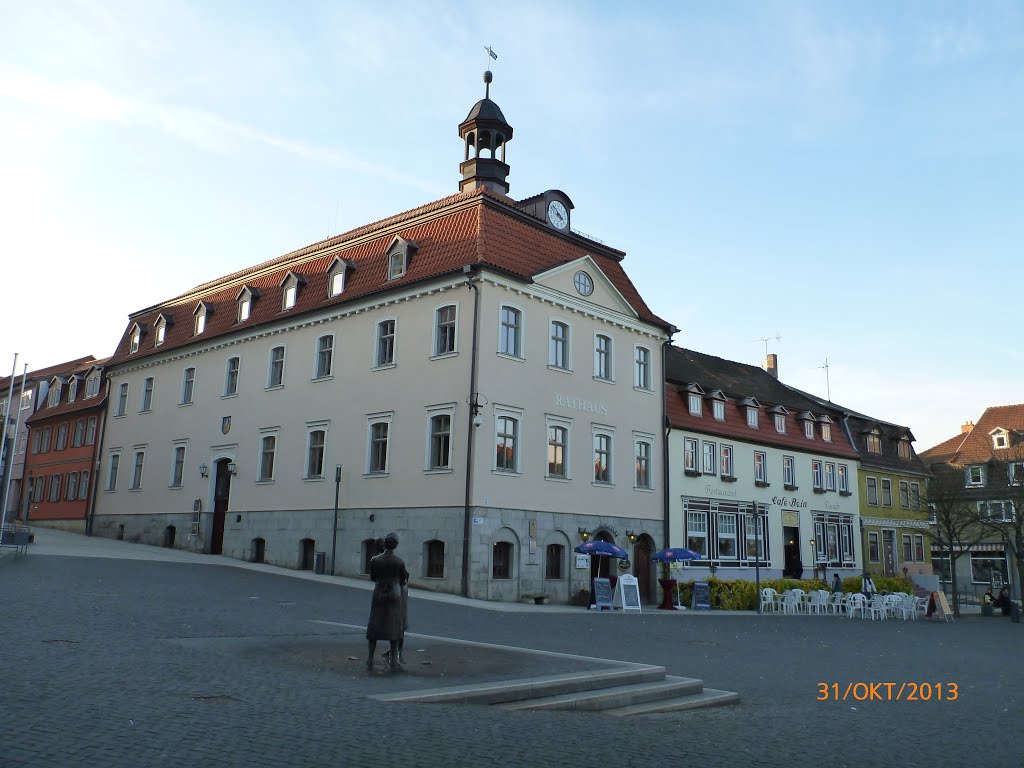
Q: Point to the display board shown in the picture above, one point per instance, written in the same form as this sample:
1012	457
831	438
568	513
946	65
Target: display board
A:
603	593
629	592
701	599
938	606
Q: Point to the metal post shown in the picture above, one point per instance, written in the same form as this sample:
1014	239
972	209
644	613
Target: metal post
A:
757	559
334	531
4	458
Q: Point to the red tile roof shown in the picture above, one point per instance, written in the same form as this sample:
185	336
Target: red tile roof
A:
976	446
71	366
472	228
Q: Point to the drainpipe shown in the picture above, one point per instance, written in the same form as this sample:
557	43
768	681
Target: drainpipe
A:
101	417
474	407
666	429
863	540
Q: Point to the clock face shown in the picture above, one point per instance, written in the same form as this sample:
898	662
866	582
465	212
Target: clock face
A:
558	217
584	283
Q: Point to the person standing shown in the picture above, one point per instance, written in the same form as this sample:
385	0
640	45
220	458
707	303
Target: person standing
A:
837	584
389	575
868	586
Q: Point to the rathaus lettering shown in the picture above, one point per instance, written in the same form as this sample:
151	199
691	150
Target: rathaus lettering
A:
579	404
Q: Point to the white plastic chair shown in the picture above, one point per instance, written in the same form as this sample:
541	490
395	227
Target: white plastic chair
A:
835	602
892	605
801	606
855	603
768	603
877	607
819	599
908	608
790	601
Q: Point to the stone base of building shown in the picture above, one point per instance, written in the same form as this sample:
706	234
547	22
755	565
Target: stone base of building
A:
509	548
72	526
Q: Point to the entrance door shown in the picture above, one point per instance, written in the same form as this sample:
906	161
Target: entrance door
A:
792	567
221	496
642	569
889	551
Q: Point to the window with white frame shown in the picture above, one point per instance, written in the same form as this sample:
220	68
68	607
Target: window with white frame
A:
694	403
874	442
510	332
324	356
40	486
988	568
830	476
780	423
337	282
140	458
188	382
844	479
136	336
396	264
789	471
71	487
871	486
642	451
316	444
275	370
62	436
903	448
245	299
161	331
122	399
908	548
689	455
726	539
725	465
975	475
697	533
873	546
113	463
200	324
760	467
915	495
558	449
826	432
506	432
53	397
602	457
708	451
45	440
718	410
268	452
1014	472
999	439
817	474
440	451
833	535
90	430
904	494
809	430
78	438
444	330
642	368
603	357
83	486
231	376
177	465
1000	510
558	346
147	395
754	536
379	435
385	345
73	389
886	492
752	417
55	483
919	547
92	386
290	292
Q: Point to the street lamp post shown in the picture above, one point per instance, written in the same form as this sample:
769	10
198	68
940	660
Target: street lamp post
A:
334	531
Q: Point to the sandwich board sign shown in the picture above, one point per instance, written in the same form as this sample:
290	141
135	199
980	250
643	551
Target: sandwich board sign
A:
603	593
629	592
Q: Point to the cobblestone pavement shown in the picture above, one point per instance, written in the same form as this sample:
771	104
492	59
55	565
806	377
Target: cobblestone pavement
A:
113	662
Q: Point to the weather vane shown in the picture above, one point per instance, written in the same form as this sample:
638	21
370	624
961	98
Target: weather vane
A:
490	54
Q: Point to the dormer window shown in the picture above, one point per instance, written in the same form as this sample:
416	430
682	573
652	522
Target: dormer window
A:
874	442
903	448
290	289
201	311
92	386
73	390
336	276
53	398
809	430
695	405
975	476
780	419
245	299
718	410
160	329
694	398
136	339
999	439
752	417
826	432
399	254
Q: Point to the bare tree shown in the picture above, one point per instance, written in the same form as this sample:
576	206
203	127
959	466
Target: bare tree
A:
1001	515
955	515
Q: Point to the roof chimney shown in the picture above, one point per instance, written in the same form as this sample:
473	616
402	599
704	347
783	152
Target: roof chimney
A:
771	364
967	427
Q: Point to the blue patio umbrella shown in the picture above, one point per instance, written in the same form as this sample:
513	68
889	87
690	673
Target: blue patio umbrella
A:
675	554
601	549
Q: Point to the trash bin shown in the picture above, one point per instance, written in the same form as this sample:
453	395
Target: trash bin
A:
1014	612
320	562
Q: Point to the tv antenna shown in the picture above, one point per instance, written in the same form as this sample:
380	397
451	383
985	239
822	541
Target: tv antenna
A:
828	389
777	337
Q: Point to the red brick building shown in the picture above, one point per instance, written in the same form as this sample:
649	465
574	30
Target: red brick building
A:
65	434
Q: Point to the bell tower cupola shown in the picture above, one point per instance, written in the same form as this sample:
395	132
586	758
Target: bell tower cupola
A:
484	133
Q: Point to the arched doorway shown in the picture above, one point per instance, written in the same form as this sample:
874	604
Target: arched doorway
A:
642	551
221	498
602	567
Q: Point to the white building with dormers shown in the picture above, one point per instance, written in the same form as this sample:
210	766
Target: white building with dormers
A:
759	475
488	380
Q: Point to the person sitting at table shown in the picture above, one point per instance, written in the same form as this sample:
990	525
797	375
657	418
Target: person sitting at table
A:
988	598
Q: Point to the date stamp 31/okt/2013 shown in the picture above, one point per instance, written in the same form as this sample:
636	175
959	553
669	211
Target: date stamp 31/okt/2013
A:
888	691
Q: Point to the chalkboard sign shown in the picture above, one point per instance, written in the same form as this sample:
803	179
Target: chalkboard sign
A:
701	599
938	605
629	592
603	593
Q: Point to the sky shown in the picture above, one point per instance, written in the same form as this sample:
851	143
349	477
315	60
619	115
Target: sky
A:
839	182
